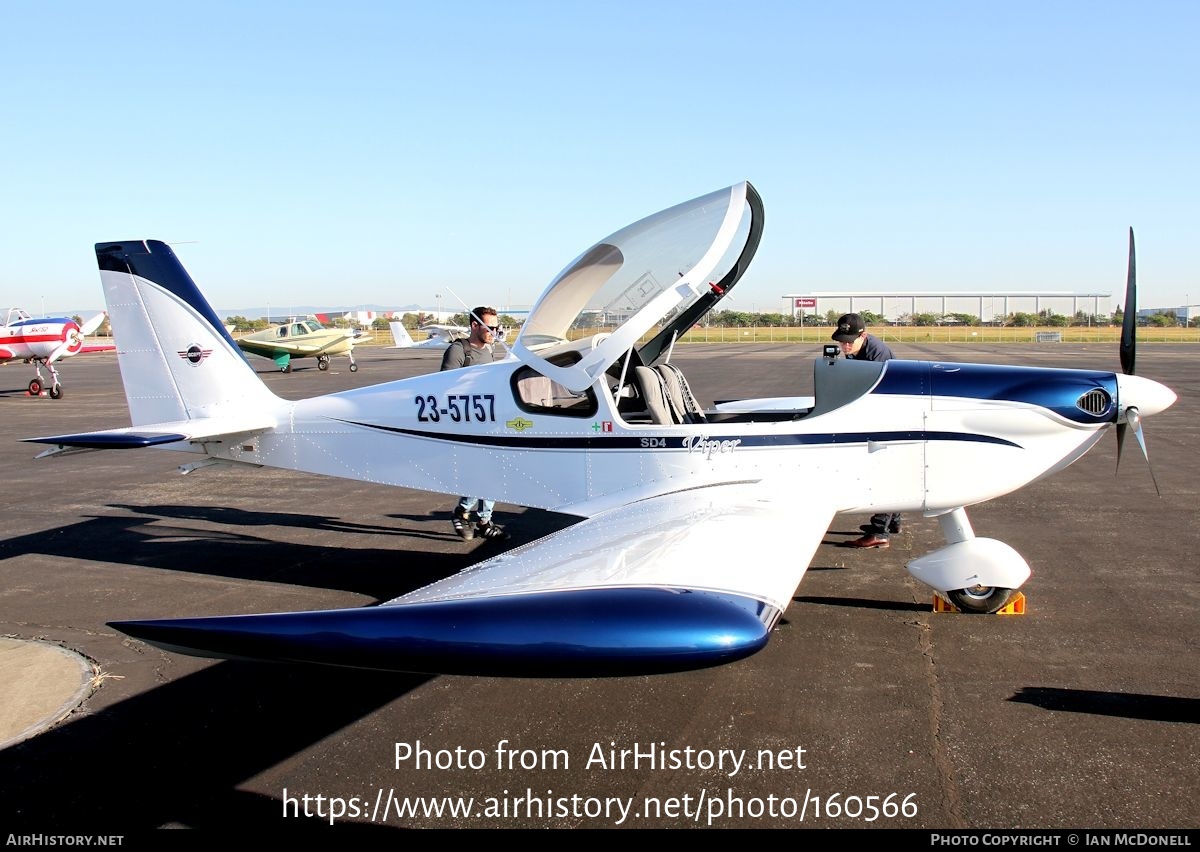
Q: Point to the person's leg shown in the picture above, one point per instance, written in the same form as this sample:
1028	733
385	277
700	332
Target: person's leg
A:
878	524
485	528
875	534
461	518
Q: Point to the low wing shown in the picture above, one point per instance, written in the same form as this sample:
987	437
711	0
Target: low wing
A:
296	349
675	582
154	434
259	347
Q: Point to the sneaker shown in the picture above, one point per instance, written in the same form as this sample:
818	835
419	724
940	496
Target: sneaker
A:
462	523
894	526
493	532
870	540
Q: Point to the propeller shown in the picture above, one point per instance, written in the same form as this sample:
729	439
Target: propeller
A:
73	339
1128	357
92	324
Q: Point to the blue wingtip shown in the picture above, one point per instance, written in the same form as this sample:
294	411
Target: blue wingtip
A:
600	632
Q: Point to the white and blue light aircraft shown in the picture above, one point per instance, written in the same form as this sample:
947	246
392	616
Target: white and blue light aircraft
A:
675	563
436	336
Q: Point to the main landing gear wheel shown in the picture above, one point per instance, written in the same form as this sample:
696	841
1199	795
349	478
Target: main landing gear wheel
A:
56	392
322	362
981	599
286	368
35	387
353	367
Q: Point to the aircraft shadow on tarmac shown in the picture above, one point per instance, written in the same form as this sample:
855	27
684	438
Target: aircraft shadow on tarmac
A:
175	755
143	540
1129	705
865	603
243	518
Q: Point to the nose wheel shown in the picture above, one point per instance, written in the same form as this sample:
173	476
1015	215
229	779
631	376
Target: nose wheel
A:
322	362
978	575
38	383
982	599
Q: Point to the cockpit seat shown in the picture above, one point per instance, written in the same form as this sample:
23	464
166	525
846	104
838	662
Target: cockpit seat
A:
683	405
650	388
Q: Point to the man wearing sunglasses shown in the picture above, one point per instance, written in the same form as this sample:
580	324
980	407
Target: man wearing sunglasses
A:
464	352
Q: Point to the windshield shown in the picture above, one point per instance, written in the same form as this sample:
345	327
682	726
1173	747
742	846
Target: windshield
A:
659	274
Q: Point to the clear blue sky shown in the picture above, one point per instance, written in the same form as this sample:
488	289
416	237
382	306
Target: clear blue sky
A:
358	152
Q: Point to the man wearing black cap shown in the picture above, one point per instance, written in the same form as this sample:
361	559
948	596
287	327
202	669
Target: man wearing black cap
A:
857	345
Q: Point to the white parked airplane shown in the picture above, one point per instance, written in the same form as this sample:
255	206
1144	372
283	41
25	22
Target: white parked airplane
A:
438	336
676	562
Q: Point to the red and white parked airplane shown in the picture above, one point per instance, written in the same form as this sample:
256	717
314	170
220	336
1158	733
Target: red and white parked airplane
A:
42	341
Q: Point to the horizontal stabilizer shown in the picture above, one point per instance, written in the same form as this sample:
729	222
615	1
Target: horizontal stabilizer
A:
155	434
590	632
118	440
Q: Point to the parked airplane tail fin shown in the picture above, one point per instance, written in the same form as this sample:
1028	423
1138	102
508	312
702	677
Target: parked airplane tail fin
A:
177	360
400	335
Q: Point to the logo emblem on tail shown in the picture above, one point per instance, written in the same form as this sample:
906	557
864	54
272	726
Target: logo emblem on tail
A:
194	354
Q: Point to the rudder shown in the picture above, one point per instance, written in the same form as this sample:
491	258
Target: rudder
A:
400	335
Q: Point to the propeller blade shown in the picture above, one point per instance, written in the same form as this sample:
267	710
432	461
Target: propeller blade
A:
1128	347
62	349
1136	421
92	324
1129	317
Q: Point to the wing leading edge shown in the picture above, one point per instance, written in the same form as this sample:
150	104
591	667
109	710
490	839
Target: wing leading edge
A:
680	581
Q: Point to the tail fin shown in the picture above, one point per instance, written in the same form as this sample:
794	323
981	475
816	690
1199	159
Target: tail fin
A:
177	360
400	335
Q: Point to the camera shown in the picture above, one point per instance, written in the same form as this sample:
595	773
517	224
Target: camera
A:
830	351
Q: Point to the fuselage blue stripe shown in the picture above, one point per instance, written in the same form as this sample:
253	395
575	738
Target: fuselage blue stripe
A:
44	320
675	442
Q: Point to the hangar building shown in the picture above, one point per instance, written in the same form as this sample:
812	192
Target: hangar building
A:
989	306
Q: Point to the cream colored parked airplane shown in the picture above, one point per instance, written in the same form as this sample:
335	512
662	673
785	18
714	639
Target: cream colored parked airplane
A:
300	339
